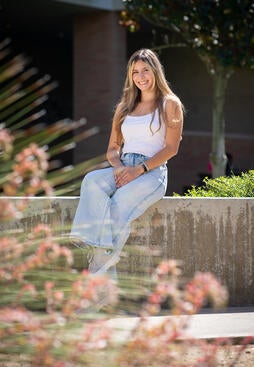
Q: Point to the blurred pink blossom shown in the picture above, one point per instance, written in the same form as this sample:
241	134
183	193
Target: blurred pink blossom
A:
6	141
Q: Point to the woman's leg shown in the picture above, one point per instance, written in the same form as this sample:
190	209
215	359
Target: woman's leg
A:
132	200
128	203
92	222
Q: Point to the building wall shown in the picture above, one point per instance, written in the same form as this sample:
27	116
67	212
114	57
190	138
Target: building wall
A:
190	166
99	63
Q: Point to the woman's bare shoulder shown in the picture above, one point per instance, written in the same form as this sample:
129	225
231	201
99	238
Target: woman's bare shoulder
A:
172	99
173	110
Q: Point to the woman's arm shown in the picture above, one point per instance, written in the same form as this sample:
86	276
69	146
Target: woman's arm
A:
174	127
122	174
115	140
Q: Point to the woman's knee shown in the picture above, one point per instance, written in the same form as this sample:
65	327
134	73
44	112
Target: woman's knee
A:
88	180
102	178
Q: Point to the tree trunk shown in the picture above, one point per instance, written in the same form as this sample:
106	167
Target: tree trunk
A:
218	156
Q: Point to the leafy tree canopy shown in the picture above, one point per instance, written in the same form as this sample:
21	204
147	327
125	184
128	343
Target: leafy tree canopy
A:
222	32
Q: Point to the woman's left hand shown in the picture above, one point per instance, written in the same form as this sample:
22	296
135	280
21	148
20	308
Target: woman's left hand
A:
124	175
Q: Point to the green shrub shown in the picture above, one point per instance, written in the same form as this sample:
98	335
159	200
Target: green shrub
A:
234	186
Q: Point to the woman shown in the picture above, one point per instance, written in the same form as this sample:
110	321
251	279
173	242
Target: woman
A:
146	132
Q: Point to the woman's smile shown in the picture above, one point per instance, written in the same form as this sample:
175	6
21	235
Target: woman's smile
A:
142	75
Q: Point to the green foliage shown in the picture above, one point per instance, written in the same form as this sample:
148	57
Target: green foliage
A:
22	95
234	186
220	31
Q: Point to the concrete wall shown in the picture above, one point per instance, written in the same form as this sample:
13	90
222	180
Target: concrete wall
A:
215	235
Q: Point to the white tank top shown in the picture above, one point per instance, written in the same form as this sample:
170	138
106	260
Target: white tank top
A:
140	138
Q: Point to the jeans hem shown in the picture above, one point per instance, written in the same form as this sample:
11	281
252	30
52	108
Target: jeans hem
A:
90	243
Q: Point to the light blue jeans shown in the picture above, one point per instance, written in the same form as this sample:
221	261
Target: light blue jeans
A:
105	212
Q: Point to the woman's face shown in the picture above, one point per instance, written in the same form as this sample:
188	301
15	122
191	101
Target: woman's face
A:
142	76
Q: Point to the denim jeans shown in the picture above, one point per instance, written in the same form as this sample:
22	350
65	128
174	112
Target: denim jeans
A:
105	212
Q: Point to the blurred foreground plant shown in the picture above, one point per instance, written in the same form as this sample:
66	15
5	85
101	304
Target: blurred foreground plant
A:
21	98
69	334
46	338
166	343
65	330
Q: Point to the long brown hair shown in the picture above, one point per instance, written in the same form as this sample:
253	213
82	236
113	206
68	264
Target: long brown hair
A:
131	95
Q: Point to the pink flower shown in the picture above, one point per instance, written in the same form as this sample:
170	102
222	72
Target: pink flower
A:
29	288
169	267
59	296
6	140
18	316
42	229
154	298
49	285
8	210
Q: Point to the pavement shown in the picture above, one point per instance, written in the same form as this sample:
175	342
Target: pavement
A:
235	323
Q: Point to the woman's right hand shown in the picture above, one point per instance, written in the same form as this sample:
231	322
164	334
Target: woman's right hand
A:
118	170
124	175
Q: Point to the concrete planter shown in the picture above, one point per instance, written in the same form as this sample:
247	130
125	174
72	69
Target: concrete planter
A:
206	234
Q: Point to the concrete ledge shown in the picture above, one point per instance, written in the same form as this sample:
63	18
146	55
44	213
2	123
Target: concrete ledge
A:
234	325
207	234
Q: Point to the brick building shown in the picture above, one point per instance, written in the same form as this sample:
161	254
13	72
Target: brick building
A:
80	44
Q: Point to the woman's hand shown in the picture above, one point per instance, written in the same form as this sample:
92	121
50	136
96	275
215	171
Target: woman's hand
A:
124	175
